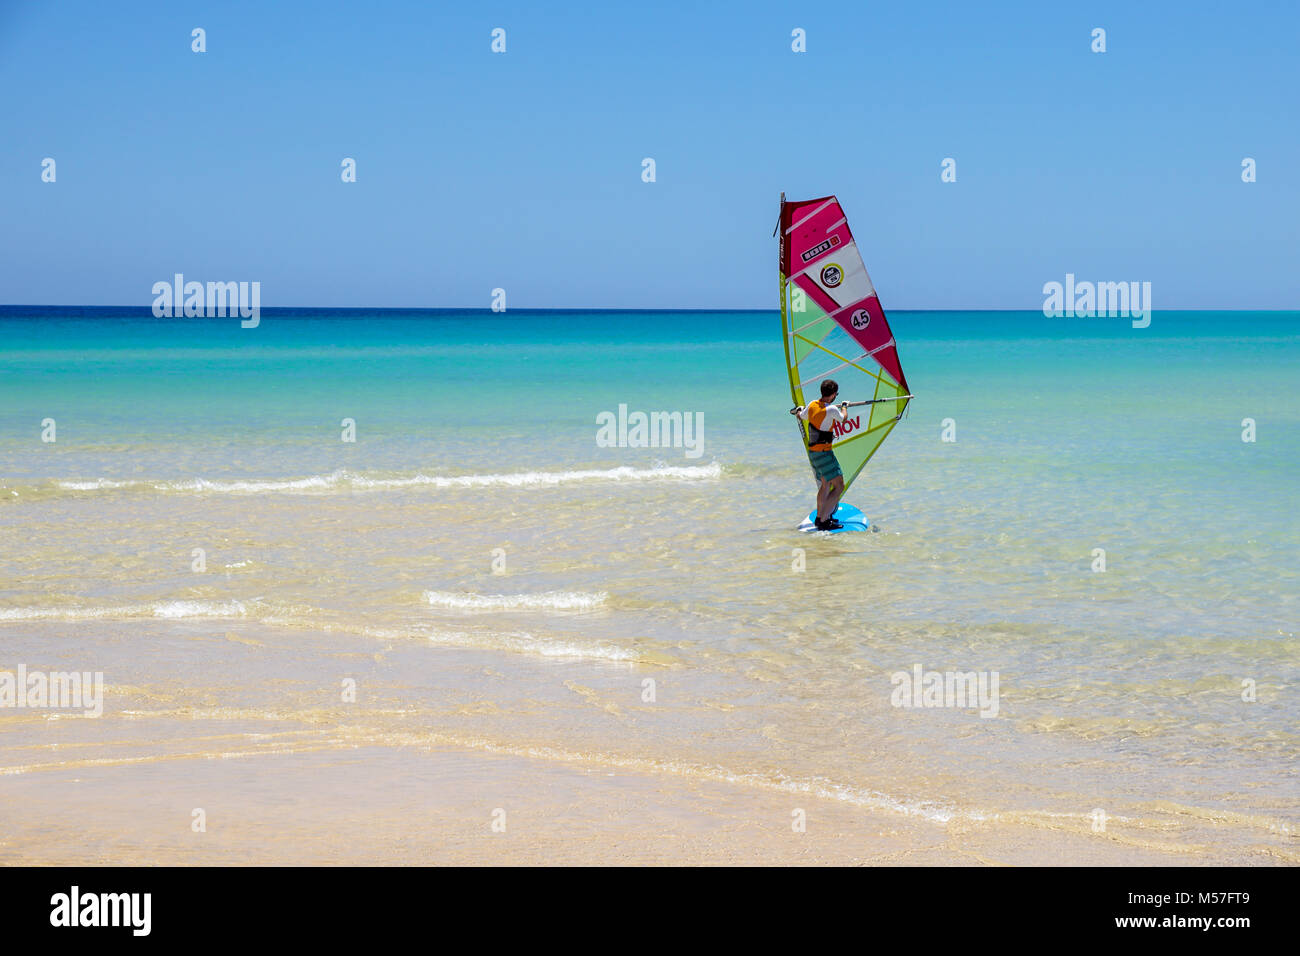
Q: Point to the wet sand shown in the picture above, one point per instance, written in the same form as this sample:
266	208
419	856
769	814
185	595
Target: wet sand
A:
428	805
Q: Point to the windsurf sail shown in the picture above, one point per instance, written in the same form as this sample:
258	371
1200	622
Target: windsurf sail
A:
835	328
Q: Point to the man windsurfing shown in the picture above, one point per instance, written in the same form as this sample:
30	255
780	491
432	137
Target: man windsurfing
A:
822	416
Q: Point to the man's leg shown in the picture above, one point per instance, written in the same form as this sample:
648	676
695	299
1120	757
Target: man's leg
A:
836	489
823	495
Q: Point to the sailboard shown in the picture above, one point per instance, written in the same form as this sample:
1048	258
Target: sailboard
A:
834	327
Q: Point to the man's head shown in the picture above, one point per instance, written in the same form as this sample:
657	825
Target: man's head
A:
829	390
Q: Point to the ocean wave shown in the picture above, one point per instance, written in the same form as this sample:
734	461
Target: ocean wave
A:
932	811
343	480
547	601
519	642
298	617
529	644
172	610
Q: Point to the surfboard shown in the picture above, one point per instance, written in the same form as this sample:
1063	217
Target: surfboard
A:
847	515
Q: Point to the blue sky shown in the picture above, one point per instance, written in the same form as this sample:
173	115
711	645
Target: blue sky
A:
522	170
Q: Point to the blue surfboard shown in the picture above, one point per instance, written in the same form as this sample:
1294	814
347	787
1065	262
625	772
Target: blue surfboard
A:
847	515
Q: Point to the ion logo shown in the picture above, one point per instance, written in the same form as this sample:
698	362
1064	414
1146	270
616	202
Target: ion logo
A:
860	318
816	251
832	275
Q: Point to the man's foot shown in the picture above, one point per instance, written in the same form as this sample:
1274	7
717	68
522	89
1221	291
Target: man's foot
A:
827	524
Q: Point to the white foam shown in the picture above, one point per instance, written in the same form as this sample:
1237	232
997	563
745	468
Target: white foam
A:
550	478
523	643
99	484
547	601
517	642
179	609
159	609
348	481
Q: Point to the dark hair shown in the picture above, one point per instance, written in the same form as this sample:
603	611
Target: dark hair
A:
829	388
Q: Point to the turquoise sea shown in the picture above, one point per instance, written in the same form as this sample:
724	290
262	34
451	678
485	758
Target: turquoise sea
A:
496	578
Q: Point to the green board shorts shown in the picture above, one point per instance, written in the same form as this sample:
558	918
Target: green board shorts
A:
824	465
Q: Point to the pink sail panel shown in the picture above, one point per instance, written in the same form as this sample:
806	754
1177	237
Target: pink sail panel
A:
820	256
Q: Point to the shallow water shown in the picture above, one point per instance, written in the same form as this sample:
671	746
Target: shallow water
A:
508	585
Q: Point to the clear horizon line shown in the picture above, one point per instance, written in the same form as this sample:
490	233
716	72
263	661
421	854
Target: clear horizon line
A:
490	311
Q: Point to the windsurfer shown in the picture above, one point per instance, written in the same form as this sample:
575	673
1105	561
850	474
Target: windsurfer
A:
822	415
